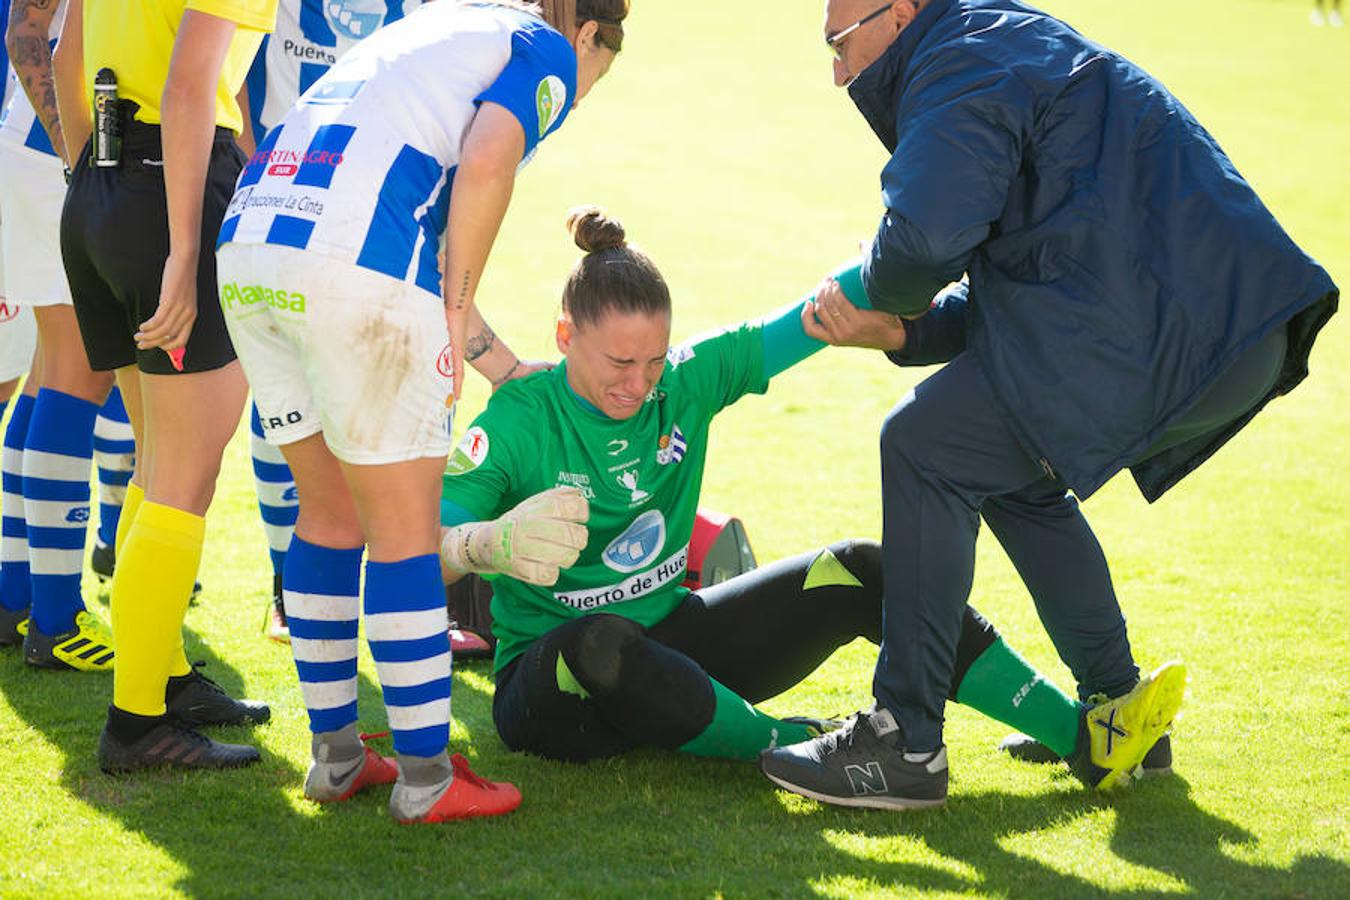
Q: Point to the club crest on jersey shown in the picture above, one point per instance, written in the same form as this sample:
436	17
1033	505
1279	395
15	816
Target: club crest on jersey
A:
469	455
354	18
639	544
671	447
551	99
680	354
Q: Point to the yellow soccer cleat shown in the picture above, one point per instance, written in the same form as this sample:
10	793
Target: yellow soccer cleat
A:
88	647
1116	735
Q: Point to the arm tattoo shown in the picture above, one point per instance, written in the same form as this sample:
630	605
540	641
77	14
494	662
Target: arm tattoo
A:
463	292
480	343
31	56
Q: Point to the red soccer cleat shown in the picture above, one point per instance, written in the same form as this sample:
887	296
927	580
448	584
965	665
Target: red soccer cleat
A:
467	797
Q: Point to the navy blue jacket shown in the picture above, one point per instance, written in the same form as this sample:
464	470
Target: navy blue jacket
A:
1117	262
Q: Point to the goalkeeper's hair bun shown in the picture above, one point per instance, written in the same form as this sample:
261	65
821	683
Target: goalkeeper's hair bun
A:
613	275
594	230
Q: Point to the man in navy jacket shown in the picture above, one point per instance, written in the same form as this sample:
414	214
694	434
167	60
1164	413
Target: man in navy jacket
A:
1128	301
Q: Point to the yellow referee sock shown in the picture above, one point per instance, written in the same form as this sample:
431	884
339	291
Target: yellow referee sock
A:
155	571
129	506
132	503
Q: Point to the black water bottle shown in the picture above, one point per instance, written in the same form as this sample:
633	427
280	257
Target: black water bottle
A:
107	150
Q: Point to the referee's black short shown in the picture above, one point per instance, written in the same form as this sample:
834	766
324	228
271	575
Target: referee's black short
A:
115	239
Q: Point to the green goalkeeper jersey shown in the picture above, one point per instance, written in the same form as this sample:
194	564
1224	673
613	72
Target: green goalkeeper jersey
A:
641	475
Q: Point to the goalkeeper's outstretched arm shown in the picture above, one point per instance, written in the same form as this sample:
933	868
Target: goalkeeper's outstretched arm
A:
532	542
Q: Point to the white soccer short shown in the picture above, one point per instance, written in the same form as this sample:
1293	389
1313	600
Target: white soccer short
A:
32	190
18	331
335	348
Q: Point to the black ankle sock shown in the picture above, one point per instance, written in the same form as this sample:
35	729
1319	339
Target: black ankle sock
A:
128	727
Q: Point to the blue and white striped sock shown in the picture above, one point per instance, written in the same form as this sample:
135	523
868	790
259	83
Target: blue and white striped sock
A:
57	457
277	500
16	588
115	456
323	606
406	626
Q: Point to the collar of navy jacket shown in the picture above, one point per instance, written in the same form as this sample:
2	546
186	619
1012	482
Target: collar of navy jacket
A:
875	90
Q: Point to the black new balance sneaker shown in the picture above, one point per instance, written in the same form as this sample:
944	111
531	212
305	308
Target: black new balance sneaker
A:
170	743
860	764
195	700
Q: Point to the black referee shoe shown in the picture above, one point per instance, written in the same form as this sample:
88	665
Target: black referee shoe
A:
1158	760
170	744
861	764
196	700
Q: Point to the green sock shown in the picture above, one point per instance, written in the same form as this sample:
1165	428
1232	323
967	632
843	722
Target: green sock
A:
739	731
1004	686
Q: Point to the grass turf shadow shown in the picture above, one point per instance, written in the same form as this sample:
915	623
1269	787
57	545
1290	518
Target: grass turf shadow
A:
649	822
222	827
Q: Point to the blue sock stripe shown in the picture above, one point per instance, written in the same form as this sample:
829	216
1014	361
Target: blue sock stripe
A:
339	717
412	601
16	586
114	477
62	424
323	570
11	482
53	489
326	671
278	561
13	527
318	630
277	473
409	585
422	741
56	601
282	516
18	422
113	408
114	446
410	651
417	694
57	538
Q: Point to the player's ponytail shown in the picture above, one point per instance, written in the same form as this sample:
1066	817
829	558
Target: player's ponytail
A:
612	275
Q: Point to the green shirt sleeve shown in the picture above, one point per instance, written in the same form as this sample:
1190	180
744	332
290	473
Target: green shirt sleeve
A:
719	368
786	343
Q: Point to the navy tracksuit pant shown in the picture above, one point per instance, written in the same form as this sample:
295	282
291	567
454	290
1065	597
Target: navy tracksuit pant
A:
948	457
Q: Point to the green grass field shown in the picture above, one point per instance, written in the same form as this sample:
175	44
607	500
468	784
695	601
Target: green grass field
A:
721	142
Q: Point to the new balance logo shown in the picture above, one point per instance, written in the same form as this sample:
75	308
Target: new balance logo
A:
867	779
78	514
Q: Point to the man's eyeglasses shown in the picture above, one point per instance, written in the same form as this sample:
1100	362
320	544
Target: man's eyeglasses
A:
836	41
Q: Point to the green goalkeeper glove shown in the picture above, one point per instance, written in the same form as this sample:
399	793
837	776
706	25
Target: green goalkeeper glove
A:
541	535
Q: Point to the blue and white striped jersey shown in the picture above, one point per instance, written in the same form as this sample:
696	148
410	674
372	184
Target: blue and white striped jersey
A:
361	168
310	36
18	122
